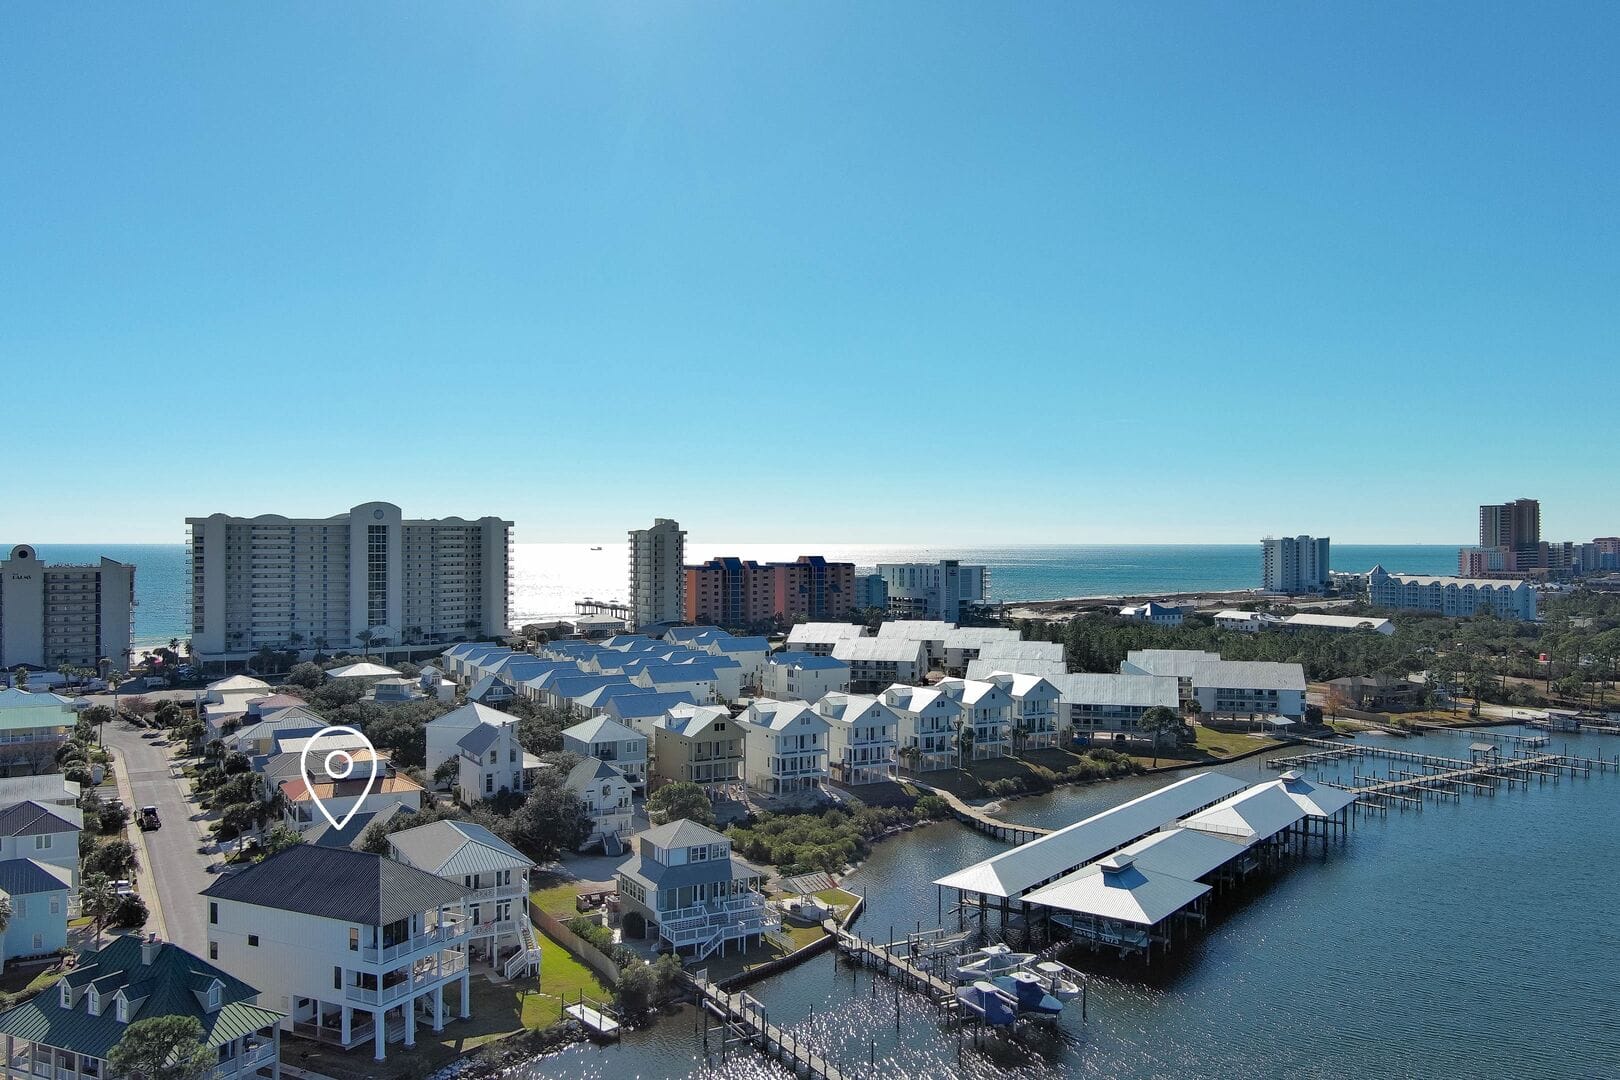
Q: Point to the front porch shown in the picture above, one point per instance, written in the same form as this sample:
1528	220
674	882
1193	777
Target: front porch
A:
392	1013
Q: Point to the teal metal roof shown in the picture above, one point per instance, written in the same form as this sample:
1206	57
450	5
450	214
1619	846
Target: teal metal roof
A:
168	986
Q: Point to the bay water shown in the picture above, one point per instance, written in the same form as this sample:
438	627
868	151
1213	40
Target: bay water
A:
1471	940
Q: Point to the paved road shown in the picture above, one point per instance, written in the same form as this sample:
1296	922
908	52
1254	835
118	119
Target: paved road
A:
179	870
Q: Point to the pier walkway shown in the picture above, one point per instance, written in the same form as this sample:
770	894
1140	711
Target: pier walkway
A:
743	1019
1434	776
895	964
979	818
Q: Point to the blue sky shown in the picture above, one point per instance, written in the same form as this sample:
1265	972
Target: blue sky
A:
942	273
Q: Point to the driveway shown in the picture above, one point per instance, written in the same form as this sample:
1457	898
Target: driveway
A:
177	870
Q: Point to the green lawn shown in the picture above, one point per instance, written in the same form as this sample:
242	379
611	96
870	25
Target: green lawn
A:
555	895
30	980
563	977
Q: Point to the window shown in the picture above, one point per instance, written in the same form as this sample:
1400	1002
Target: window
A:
213	912
253	941
43	842
64	996
123	1010
39	942
337	978
354	939
56	905
213	950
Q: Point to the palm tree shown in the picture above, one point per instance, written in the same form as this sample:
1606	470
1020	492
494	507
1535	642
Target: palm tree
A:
908	757
1020	734
5	920
19	678
964	744
1160	721
320	647
365	638
98	900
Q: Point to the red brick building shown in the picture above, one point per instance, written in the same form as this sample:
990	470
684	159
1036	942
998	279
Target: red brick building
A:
740	593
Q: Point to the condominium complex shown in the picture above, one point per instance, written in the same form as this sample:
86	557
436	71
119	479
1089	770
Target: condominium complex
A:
1507	599
934	590
322	582
740	593
63	614
657	574
1295	564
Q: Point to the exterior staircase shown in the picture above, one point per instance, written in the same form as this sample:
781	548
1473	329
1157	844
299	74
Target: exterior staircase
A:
526	961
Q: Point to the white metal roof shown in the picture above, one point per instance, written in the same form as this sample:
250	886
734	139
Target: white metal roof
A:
1317	800
1132	691
823	633
1126	892
982	668
1024	650
1184	853
880	649
1340	622
1248	675
916	630
1176	662
1257	814
1015	872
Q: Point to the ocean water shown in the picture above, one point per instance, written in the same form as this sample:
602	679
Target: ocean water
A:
1464	941
548	578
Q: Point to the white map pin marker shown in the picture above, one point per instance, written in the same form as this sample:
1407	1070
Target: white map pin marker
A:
338	766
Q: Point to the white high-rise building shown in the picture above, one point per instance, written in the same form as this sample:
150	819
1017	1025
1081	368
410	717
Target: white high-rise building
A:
657	574
63	614
1295	564
319	583
934	590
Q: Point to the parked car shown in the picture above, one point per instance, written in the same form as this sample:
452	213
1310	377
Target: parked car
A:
123	886
149	818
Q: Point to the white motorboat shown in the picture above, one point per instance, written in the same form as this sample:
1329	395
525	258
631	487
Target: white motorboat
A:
990	961
1059	980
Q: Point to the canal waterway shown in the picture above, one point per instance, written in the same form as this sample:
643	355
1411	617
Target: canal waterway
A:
1474	940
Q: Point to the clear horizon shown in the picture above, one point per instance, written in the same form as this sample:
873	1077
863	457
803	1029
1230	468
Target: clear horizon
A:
1065	273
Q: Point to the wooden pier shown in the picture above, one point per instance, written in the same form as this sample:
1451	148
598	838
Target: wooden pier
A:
744	1020
1006	831
891	962
1413	778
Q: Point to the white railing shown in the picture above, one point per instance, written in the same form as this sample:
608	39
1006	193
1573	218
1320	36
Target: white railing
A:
498	892
453	929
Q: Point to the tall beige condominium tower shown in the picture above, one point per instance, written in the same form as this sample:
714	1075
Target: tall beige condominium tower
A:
51	615
657	574
320	583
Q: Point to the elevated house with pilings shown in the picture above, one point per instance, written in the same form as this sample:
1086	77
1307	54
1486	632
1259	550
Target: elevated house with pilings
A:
361	948
684	884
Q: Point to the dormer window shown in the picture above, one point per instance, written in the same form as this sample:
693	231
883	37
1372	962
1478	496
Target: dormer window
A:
93	1002
214	995
64	995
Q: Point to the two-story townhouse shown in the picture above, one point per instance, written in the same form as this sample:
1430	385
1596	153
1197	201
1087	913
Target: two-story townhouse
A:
929	721
491	690
1242	689
784	746
608	800
930	633
802	676
495	876
699	744
986	711
880	661
1036	724
683	883
346	944
39	893
863	738
963	645
818	638
1170	663
605	739
68	1032
1101	706
43	832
